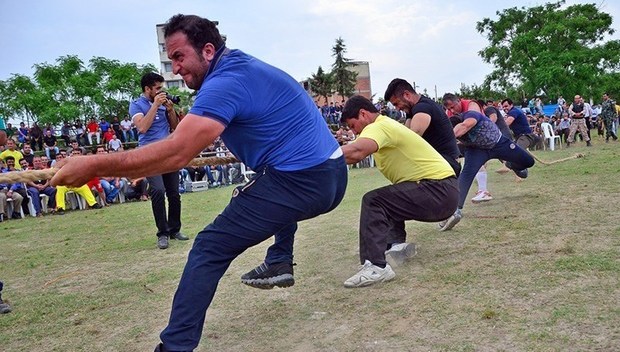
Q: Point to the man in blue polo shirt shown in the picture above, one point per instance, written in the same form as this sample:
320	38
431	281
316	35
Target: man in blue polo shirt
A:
516	120
268	122
155	117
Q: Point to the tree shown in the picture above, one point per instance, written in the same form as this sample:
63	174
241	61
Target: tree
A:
344	79
560	51
322	84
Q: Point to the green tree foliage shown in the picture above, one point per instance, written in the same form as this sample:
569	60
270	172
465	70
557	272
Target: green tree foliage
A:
321	84
70	91
344	79
559	50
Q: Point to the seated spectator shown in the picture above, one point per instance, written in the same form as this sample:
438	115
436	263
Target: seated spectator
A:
84	191
27	154
93	130
564	127
212	181
50	143
46	162
112	186
97	189
36	137
116	127
115	145
10	191
80	134
108	135
75	145
36	188
194	173
12	152
126	127
24	164
65	133
23	133
137	189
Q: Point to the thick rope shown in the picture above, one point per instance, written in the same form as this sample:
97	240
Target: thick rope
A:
46	174
576	156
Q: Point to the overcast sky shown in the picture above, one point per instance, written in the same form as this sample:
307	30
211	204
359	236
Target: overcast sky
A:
429	42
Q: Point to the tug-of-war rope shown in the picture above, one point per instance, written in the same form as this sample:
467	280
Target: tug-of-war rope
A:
46	174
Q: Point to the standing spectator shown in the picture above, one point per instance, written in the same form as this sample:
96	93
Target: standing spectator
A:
155	117
36	137
561	101
50	144
608	115
127	131
577	111
23	133
10	151
93	130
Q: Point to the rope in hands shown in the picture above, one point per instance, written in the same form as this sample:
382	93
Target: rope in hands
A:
46	174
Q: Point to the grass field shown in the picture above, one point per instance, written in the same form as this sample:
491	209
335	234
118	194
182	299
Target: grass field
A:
536	269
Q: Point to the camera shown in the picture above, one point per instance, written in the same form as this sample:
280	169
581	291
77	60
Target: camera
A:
175	99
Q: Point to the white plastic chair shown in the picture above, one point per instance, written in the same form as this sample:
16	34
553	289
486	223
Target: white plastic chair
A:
550	135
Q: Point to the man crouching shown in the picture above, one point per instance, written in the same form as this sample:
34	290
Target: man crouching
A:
424	187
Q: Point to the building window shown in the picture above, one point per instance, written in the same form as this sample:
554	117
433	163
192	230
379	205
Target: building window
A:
176	84
167	67
162	48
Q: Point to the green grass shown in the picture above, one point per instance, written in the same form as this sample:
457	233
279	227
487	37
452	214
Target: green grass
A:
536	269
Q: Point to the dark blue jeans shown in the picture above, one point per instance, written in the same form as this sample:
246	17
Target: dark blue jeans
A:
505	149
271	204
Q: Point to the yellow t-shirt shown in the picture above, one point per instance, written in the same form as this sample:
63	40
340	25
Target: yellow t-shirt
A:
403	155
16	154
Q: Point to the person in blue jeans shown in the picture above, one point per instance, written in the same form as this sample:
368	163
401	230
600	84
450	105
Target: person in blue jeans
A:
483	141
269	123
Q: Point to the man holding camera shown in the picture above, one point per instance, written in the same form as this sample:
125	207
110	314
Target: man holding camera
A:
154	116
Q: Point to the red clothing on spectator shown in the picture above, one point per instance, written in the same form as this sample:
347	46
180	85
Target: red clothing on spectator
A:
92	127
108	135
94	183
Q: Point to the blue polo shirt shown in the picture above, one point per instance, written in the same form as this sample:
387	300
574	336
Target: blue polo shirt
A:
160	128
270	120
520	125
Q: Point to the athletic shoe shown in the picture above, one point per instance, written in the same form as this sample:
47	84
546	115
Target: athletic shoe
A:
4	307
451	221
521	173
370	274
399	253
481	196
588	144
162	242
267	276
60	211
179	236
97	206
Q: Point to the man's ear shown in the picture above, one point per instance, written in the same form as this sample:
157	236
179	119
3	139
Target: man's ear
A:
208	52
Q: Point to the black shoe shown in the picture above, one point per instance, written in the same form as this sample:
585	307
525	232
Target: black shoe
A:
5	308
16	215
160	348
588	144
567	144
60	211
162	242
267	276
179	236
96	206
521	173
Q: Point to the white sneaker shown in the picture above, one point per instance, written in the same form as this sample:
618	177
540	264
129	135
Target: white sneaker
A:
399	253
451	221
482	196
370	274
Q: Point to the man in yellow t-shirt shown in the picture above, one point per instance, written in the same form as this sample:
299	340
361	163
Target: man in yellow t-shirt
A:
424	186
11	151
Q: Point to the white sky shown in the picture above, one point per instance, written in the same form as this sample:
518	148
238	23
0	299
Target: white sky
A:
429	42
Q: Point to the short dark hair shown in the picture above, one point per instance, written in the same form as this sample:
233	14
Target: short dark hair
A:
353	106
199	31
397	87
149	80
450	97
508	100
